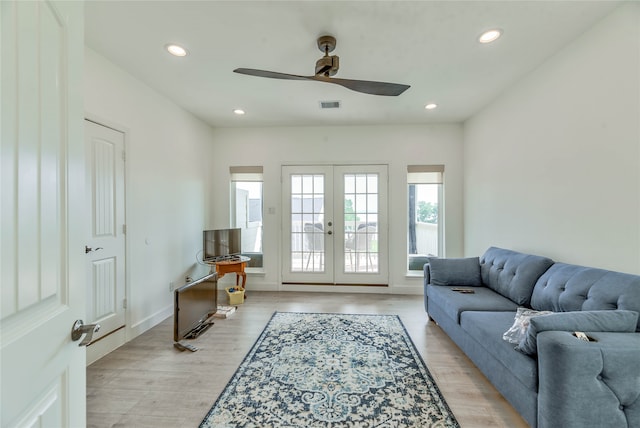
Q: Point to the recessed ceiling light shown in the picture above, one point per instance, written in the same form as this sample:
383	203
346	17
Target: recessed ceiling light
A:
176	50
490	36
431	106
238	111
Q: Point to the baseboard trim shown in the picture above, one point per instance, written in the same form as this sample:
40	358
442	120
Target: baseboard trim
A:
105	345
151	321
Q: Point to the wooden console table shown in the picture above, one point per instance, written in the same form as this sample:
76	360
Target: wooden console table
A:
236	266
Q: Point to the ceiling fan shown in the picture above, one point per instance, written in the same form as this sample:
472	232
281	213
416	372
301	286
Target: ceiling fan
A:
326	67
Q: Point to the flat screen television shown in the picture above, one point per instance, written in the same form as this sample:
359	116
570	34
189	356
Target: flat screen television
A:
195	302
219	244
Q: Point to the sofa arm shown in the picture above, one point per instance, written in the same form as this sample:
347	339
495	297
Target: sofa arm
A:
426	280
427	274
588	384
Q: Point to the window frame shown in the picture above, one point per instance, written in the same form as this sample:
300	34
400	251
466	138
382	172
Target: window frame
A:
424	175
247	174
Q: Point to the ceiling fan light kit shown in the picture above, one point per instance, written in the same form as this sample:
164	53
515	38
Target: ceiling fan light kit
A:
328	66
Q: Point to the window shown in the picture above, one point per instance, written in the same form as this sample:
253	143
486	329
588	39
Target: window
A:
425	232
246	210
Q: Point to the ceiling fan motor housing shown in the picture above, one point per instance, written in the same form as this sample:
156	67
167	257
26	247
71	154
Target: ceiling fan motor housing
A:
327	65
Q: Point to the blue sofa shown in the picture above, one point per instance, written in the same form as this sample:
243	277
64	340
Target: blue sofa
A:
552	378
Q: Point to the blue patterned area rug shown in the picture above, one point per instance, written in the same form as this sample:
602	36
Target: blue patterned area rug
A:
331	370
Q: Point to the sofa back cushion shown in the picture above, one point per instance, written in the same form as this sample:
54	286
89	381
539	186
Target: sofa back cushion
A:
566	287
512	274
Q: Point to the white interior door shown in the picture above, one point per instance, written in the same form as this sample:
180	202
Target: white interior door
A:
105	248
335	224
42	248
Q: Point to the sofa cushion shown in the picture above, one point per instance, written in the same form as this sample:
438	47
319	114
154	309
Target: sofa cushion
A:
605	321
487	328
512	274
453	303
566	287
450	271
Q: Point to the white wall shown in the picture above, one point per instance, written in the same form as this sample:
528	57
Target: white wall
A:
553	166
397	146
166	184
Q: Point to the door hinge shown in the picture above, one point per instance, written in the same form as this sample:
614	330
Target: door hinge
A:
124	303
124	229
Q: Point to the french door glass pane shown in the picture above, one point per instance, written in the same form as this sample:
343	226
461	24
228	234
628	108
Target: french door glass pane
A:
307	230
360	210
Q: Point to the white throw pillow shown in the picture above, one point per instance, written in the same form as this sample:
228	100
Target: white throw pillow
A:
520	324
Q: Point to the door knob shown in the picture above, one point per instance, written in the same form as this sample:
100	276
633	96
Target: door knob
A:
79	328
329	233
88	249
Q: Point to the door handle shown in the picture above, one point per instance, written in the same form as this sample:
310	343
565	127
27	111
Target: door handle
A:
88	249
79	328
329	233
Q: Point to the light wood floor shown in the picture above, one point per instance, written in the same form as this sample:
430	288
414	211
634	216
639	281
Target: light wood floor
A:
149	383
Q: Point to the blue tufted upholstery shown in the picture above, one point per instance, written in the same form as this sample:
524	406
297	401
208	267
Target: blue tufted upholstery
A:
591	384
578	384
566	287
512	274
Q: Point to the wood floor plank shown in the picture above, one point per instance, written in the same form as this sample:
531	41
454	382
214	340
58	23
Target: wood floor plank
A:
148	382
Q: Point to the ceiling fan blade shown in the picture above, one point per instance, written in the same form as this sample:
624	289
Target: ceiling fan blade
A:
270	74
366	86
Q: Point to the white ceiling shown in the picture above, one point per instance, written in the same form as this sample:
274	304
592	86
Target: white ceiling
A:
430	45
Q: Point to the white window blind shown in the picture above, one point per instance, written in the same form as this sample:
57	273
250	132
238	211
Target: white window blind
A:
246	173
425	174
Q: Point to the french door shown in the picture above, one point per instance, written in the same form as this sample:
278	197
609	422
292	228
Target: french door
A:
335	224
